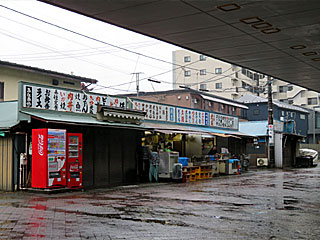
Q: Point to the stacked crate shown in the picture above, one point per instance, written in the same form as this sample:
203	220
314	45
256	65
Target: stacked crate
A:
194	173
186	174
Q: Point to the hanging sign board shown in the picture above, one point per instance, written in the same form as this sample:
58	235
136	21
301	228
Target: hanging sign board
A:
160	112
195	117
190	116
155	111
47	98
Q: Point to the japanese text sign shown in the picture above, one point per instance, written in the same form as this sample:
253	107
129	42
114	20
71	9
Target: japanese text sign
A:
155	111
67	100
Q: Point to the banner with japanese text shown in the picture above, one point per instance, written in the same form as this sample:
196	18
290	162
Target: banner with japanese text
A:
155	111
196	117
190	116
67	100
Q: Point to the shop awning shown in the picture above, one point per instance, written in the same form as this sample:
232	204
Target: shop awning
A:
176	128
10	116
171	128
76	119
226	132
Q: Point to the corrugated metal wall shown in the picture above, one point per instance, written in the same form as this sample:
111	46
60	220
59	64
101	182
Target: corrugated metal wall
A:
6	168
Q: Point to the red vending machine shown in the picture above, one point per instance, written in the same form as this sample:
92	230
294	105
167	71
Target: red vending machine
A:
48	158
74	160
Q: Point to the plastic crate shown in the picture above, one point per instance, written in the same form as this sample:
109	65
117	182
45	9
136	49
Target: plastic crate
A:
183	161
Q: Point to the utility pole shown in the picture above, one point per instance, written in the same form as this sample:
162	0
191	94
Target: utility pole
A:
137	81
258	85
271	159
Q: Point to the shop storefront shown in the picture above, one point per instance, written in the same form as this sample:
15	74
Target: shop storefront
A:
191	134
110	139
113	137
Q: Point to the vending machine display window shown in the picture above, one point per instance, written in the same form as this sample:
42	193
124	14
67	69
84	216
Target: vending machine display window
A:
74	160
48	158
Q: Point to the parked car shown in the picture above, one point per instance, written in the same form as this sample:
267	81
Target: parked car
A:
307	158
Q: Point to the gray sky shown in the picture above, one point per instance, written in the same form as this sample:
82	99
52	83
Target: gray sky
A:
33	43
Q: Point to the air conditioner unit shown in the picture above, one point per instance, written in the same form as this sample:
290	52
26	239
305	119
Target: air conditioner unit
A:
262	162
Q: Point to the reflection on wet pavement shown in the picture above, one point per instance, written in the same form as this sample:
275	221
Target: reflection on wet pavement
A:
257	205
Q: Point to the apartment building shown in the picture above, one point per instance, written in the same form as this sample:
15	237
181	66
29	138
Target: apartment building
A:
223	79
292	94
226	80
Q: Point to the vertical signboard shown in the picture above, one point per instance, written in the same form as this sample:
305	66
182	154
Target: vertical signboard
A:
271	134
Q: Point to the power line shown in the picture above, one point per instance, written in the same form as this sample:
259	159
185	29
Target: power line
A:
94	39
145	43
100	41
41	46
112	45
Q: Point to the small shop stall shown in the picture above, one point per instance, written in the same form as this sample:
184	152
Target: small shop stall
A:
191	133
190	153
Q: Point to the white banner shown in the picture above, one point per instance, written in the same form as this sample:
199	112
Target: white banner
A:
224	121
67	101
155	111
189	116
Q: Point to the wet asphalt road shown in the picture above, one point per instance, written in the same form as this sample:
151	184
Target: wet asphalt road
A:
277	204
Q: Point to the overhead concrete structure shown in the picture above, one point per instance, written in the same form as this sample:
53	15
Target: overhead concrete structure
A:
277	38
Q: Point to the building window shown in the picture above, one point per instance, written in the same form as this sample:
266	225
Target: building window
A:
302	116
236	74
218	70
221	108
202	57
202	72
290	88
68	82
187	59
283	89
256	76
250	74
256	112
243	113
282	113
203	86
317	121
187	73
290	101
244	71
1	91
312	101
218	85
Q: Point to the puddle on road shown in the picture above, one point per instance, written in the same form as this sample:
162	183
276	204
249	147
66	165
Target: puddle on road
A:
126	218
12	204
289	208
